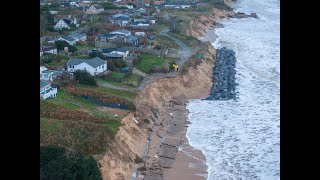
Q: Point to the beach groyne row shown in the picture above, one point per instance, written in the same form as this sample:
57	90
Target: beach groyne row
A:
224	72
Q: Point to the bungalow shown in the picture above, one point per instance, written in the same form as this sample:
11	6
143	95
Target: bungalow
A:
140	24
141	10
122	20
50	75
65	23
121	32
48	49
68	39
95	9
178	4
46	91
78	36
93	66
143	34
116	53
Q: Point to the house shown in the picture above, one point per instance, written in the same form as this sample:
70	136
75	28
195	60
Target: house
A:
50	75
121	32
143	34
140	24
95	9
46	91
152	20
78	36
133	40
68	39
93	66
141	10
65	23
115	53
178	4
48	49
159	2
42	68
121	20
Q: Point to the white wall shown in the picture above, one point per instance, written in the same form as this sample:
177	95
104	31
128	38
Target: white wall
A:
61	24
88	68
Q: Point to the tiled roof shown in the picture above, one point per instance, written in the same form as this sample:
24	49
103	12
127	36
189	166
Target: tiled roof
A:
94	62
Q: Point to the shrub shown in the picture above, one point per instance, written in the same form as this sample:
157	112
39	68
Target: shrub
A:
72	49
110	65
61	44
58	163
94	54
136	60
85	78
120	63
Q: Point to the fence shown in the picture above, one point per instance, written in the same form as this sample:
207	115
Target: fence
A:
100	103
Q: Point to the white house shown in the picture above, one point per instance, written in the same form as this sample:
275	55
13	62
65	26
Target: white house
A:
65	23
118	52
48	49
50	75
93	66
42	68
46	91
143	34
140	24
95	9
121	32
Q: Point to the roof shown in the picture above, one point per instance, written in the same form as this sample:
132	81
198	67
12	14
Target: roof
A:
77	35
106	35
94	62
109	50
68	38
122	31
132	38
43	84
47	48
139	22
124	18
113	55
67	20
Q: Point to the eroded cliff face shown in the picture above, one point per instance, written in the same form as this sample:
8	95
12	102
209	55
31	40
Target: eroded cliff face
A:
131	139
118	163
200	24
196	82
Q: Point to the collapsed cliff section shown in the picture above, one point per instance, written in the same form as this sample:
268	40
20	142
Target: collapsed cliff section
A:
119	162
191	85
198	26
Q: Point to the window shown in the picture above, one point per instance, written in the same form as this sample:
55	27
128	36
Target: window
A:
102	66
70	66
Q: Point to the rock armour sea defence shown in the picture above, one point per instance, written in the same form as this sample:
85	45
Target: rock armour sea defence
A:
224	73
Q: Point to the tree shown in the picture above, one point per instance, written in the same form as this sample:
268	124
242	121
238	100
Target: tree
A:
110	65
85	78
72	48
43	25
58	163
64	79
61	44
94	54
120	63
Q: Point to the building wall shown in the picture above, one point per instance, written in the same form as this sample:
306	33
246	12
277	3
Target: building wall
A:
88	68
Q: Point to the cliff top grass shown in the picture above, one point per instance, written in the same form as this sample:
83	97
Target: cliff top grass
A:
149	62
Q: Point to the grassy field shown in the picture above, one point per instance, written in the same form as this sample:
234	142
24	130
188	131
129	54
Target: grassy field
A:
149	62
113	92
118	75
88	137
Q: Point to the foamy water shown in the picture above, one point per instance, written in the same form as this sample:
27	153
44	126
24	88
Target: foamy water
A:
241	139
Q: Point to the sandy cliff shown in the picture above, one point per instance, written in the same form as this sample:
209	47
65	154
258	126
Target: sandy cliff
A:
131	139
199	25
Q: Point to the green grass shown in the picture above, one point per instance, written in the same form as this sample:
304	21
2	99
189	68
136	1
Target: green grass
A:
119	84
118	75
113	92
149	61
71	102
81	46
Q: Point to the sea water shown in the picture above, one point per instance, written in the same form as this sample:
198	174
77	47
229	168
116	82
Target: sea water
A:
241	138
